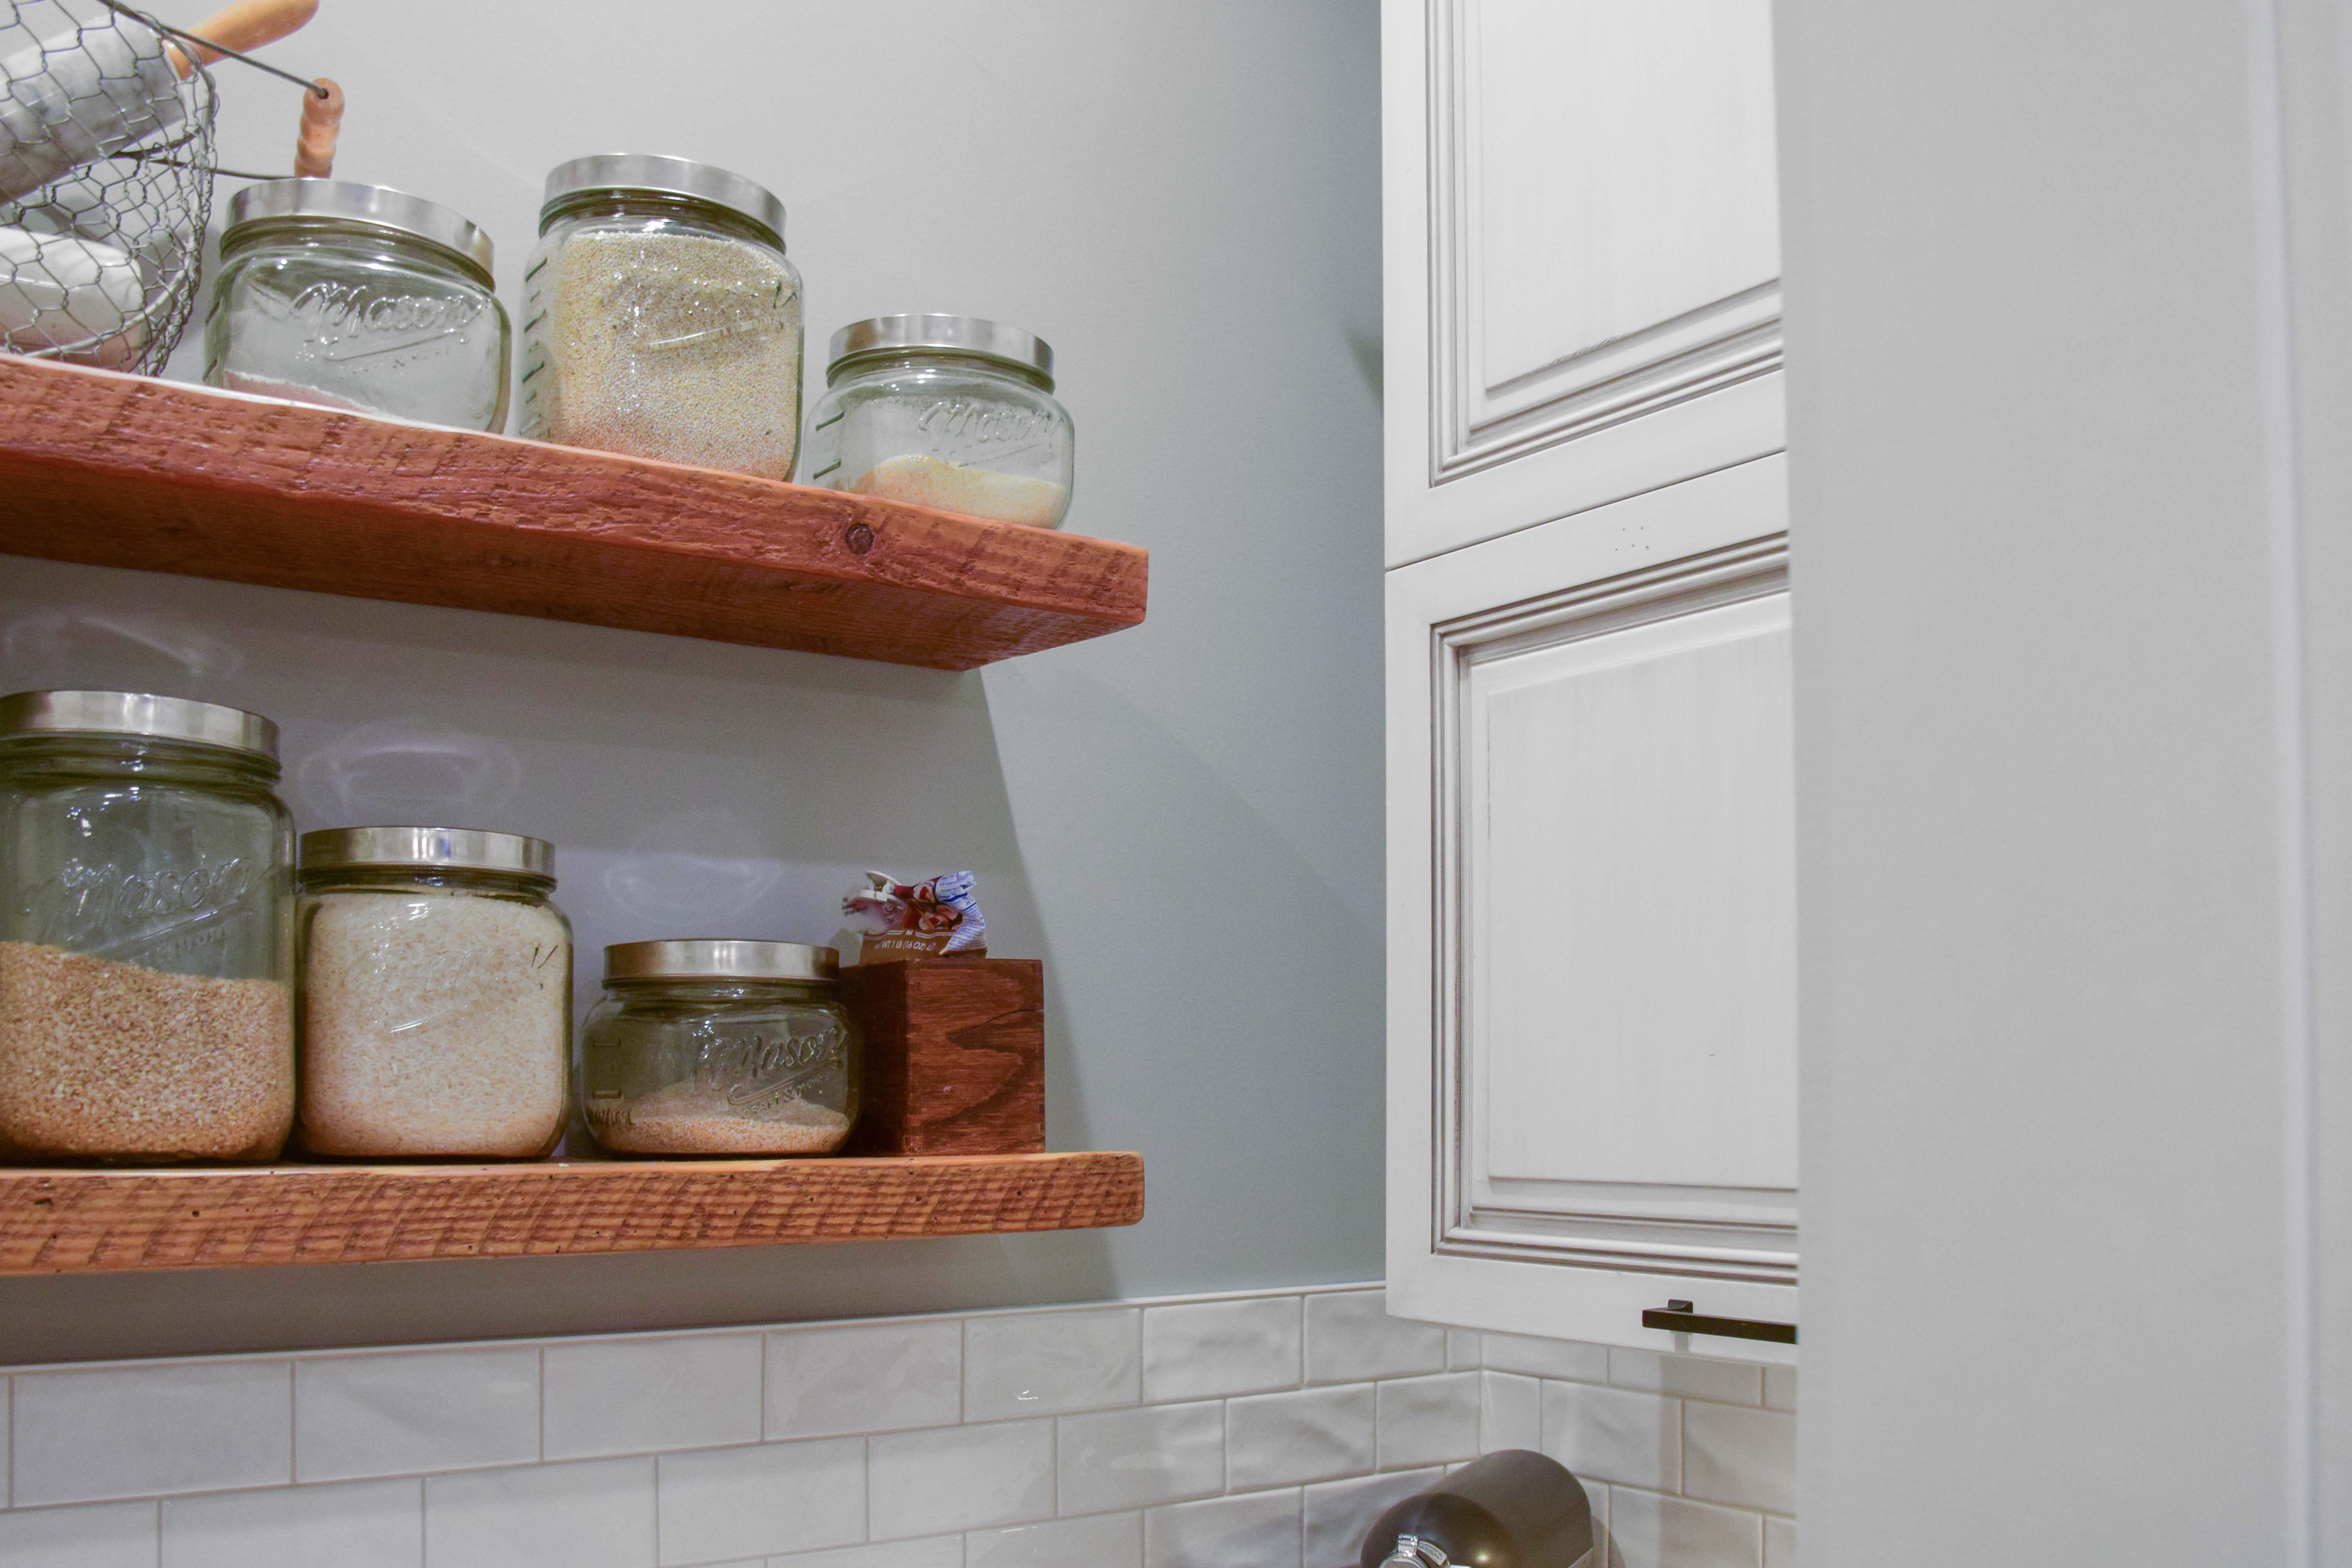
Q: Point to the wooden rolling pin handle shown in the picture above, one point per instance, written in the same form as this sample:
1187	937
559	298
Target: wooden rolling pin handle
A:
244	25
314	146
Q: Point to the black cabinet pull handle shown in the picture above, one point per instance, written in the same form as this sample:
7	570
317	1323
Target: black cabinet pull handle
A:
1678	1318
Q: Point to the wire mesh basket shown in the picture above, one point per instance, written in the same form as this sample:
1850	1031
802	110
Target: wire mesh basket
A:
106	180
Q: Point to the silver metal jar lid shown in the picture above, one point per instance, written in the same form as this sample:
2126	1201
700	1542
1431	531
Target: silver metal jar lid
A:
950	334
138	713
667	176
378	206
428	849
704	958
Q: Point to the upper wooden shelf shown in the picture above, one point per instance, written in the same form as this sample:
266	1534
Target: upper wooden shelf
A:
120	470
57	1221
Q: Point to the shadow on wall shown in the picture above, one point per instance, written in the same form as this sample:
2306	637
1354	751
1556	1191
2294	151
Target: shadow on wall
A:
692	789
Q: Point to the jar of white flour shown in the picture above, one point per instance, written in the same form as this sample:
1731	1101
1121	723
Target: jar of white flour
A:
435	1017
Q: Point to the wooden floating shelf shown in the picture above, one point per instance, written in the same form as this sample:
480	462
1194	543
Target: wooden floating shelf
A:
120	470
77	1221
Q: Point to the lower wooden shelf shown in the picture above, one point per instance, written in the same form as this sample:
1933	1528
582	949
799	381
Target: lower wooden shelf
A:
81	1221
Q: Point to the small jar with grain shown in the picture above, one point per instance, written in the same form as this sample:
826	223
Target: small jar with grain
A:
146	931
436	994
360	298
720	1047
952	411
661	318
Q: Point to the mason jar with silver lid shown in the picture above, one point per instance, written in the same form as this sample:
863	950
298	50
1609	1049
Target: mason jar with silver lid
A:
146	931
661	318
952	411
360	298
708	1047
436	994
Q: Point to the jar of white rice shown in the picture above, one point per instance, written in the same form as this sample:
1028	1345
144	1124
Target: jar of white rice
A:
436	1018
661	318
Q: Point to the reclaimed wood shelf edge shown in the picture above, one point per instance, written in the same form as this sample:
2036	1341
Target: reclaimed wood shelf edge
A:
74	1221
120	470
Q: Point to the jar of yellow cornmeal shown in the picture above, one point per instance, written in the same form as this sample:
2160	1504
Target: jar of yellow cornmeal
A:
950	412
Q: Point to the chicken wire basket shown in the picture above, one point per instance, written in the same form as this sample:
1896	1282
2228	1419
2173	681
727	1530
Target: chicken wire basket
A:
106	180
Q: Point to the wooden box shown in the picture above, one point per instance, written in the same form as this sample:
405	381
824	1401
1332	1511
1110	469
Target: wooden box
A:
955	1056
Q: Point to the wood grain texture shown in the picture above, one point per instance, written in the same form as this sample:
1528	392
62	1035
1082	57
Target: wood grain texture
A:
55	1221
119	471
955	1054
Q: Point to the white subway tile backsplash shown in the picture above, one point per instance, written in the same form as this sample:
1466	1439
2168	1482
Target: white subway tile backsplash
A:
593	1513
1351	1336
1655	1532
1694	1376
1260	1529
148	1431
1742	1457
723	1504
1044	1364
1530	1357
95	1535
1510	1412
930	1551
1199	1350
1314	1435
960	1477
645	1395
865	1377
1338	1512
1001	1440
1098	1541
1428	1420
348	1524
1131	1458
1614	1435
391	1415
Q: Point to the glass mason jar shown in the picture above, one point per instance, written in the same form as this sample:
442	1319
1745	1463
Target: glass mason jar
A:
946	411
720	1048
661	317
146	931
360	297
436	994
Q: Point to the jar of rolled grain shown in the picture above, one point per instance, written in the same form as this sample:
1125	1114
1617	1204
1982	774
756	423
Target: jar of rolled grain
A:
436	994
146	931
661	318
720	1048
947	411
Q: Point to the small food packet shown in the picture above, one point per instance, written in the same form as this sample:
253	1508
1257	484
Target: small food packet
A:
922	920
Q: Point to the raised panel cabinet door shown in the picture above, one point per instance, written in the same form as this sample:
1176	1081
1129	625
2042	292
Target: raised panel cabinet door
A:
1582	253
1593	871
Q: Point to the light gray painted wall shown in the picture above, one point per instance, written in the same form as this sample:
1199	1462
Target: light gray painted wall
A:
2068	382
1184	820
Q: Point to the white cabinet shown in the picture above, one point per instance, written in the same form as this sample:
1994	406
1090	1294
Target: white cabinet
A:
1591	857
1582	256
